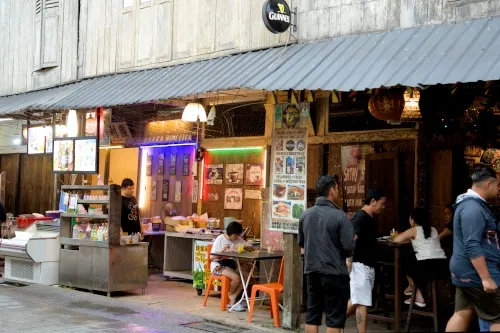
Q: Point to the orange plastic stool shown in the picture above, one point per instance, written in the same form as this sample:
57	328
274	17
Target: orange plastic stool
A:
225	281
274	290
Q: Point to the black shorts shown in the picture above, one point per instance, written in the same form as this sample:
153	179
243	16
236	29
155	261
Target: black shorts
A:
487	305
328	294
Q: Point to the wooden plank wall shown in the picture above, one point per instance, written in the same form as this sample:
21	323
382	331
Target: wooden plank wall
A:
406	150
10	164
440	185
30	183
153	208
36	184
252	209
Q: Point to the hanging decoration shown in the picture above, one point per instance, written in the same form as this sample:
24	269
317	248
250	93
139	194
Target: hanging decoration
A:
387	105
411	110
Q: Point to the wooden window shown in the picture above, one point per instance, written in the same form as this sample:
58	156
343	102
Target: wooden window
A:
47	34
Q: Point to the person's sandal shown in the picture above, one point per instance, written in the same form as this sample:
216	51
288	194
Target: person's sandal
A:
408	292
419	304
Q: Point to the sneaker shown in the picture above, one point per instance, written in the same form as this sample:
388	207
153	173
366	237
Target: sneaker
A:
419	304
238	308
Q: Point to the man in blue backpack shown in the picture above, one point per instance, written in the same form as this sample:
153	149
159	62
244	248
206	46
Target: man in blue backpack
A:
475	264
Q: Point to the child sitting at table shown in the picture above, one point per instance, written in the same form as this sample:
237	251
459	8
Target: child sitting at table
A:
222	266
429	256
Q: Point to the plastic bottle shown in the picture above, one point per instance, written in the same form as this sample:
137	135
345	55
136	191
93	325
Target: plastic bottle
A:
88	231
76	231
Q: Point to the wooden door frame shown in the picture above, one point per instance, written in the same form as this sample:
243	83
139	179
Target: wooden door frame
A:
385	156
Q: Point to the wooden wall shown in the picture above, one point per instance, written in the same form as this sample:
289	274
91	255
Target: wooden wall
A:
10	164
252	209
440	185
30	183
153	207
406	151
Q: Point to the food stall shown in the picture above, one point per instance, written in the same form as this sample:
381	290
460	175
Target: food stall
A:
93	254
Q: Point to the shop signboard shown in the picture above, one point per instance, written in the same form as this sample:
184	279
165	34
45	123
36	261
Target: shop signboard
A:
353	176
288	166
201	270
276	16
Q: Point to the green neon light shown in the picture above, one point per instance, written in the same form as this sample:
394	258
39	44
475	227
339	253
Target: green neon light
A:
234	148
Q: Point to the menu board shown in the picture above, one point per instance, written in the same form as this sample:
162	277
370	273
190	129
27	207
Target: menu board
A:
36	140
86	155
62	155
288	166
201	269
353	173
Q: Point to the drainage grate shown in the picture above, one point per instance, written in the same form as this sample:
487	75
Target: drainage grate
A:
208	326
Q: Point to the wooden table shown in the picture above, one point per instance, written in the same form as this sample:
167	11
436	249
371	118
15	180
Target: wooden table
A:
155	248
255	257
397	257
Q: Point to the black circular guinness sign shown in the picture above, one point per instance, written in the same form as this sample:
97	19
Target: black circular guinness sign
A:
276	16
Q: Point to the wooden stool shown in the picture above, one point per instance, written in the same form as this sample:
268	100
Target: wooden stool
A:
432	314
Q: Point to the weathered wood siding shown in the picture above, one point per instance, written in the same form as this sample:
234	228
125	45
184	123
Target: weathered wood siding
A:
22	36
119	35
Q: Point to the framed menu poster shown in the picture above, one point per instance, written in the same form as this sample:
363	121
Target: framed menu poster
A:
86	152
36	140
62	156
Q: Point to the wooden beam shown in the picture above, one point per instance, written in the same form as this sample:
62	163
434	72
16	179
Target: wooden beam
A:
292	281
365	136
248	141
322	114
270	104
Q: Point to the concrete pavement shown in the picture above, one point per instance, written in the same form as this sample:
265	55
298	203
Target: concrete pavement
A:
49	309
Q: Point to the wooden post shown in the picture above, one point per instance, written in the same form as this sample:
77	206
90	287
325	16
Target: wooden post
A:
293	286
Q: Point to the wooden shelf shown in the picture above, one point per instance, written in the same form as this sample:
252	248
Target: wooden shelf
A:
83	242
86	216
84	201
86	187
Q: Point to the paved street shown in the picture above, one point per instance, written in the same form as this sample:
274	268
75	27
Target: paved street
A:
47	309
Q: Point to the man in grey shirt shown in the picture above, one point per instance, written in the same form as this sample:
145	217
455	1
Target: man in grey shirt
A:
327	237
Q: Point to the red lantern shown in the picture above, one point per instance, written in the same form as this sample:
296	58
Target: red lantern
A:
387	105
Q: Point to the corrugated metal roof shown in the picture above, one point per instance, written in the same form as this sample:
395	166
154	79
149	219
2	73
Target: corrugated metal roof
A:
445	54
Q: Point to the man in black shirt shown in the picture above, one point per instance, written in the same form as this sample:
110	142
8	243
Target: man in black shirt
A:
327	237
364	258
130	211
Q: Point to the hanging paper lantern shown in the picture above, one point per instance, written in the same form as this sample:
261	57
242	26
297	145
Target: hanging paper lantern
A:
387	105
91	125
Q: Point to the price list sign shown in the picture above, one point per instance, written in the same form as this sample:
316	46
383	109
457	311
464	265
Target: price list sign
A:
288	166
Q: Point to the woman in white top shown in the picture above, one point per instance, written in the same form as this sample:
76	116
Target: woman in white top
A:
429	256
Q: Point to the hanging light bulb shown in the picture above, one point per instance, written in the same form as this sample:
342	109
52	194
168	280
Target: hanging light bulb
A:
72	124
211	116
194	111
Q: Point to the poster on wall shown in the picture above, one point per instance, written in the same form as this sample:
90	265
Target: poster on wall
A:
173	164
255	175
153	190
164	190
36	140
214	174
353	176
149	165
201	270
234	174
233	198
288	172
185	165
62	156
253	194
161	164
194	198
178	191
86	155
48	139
213	196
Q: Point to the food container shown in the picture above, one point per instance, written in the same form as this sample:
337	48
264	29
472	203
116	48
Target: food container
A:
199	223
135	239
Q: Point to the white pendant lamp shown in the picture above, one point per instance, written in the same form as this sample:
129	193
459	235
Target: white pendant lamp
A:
72	124
194	112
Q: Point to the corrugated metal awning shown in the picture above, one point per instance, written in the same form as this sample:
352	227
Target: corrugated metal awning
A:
444	54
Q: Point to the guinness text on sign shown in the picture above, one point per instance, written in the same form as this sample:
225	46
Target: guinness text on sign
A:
276	16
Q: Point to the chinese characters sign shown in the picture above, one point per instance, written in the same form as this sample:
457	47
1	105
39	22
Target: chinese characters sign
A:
288	166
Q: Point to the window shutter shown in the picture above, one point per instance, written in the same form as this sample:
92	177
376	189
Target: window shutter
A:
51	34
38	35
